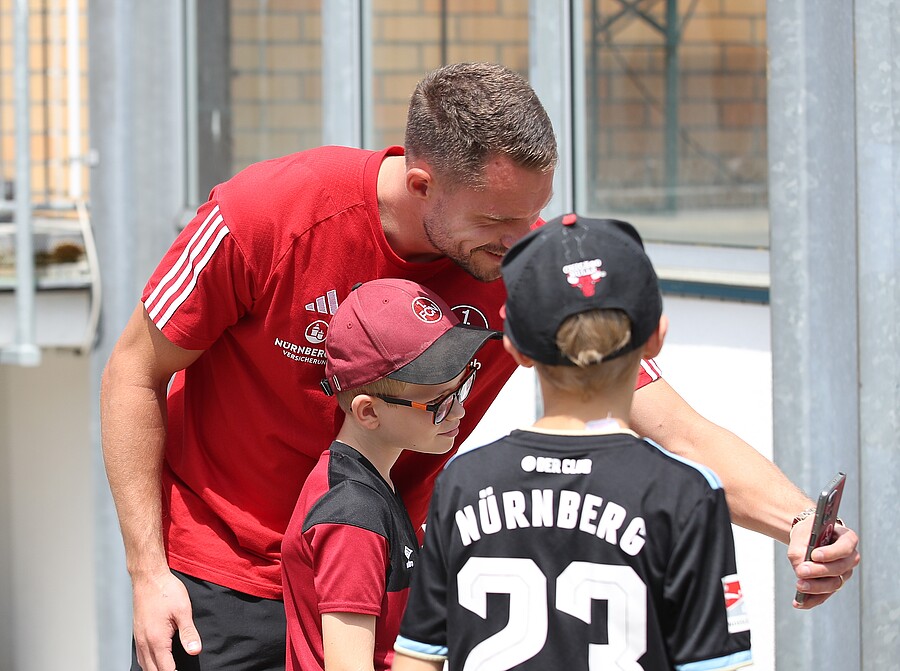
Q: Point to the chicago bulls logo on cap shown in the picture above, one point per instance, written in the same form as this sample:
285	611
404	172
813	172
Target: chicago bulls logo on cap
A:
584	275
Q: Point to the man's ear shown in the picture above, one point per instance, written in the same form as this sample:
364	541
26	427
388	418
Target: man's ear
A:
517	356
365	411
655	342
419	181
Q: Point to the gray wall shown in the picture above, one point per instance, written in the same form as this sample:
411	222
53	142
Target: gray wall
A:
48	616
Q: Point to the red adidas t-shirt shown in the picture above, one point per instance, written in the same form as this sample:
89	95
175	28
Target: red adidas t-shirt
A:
253	280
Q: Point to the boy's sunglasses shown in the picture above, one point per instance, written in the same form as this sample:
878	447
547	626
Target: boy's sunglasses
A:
441	406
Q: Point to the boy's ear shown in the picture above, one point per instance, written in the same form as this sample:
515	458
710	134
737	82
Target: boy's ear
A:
519	358
364	411
655	342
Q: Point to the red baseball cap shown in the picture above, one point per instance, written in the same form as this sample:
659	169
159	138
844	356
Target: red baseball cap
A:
398	329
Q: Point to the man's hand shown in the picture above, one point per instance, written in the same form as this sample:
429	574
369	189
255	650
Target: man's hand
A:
162	607
831	565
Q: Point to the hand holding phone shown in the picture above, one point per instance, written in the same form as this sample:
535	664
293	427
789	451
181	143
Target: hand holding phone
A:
823	524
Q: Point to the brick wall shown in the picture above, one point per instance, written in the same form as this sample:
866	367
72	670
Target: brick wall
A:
276	63
414	36
721	133
48	116
276	88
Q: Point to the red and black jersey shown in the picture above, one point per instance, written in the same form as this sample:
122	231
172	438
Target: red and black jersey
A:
349	548
577	551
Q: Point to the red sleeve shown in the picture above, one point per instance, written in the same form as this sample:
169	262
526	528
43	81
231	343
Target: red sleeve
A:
649	373
350	568
202	285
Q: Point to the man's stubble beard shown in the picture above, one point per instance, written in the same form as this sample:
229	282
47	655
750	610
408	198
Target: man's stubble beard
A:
440	239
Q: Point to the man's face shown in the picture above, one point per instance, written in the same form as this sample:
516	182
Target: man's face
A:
475	227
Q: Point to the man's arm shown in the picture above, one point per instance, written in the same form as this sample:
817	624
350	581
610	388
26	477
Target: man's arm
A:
348	640
133	428
760	496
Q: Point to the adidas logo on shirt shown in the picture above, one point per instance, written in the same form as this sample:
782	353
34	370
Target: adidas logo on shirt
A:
325	305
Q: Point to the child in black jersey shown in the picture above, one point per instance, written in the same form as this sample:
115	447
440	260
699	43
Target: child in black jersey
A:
575	544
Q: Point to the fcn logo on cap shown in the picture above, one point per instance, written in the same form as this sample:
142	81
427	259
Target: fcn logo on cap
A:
426	310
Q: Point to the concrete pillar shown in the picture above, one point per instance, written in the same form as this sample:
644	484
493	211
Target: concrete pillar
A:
814	296
877	26
834	170
137	195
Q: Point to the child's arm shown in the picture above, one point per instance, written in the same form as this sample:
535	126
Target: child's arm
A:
406	663
349	641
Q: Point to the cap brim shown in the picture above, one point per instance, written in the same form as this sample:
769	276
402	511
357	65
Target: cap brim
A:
447	356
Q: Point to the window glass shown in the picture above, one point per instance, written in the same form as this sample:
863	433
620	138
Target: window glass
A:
411	38
58	151
58	104
258	84
675	96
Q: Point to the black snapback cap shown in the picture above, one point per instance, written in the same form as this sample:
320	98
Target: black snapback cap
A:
574	264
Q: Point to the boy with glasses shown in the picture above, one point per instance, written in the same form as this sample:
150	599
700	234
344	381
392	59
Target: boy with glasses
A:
401	365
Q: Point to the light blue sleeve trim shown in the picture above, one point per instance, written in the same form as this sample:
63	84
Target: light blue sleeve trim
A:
421	650
708	473
733	661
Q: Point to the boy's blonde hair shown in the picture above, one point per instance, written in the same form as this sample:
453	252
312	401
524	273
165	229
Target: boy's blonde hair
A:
586	339
385	386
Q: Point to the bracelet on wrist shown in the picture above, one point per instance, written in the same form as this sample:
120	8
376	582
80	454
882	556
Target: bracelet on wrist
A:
799	517
802	515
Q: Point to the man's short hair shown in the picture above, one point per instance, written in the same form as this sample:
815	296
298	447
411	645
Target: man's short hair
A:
462	114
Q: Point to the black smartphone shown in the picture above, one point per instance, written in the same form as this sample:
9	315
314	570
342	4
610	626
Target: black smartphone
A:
823	523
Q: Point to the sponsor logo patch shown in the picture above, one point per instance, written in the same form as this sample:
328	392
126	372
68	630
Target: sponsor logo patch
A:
317	332
735	606
530	464
301	353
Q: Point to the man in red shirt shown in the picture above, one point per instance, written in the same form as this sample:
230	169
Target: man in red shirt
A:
205	469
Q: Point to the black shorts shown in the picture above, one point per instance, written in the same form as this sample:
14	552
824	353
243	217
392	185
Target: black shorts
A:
239	632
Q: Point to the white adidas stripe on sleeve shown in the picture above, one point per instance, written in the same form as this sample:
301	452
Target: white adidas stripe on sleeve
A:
182	276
